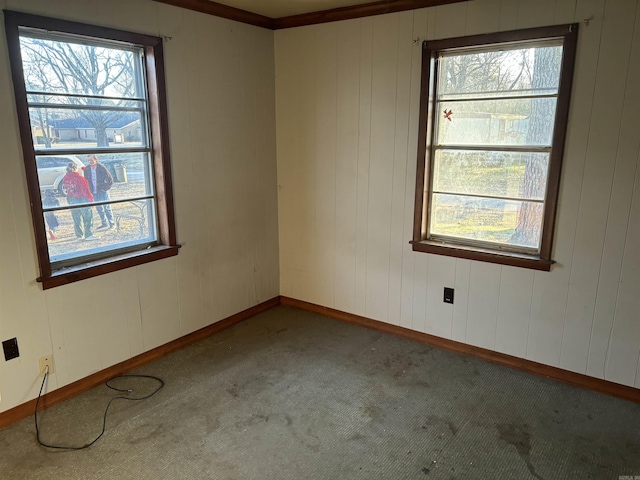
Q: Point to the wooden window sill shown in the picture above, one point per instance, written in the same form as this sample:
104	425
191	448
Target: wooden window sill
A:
107	265
483	255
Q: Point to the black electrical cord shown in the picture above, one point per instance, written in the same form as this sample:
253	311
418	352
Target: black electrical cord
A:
104	418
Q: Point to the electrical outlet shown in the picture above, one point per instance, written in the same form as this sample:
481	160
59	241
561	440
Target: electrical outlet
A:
44	363
10	348
448	295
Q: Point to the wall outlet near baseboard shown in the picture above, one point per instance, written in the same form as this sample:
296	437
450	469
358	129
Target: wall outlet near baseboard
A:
10	348
44	362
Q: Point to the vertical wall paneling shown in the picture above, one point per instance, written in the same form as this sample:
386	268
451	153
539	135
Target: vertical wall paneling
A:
58	343
449	21
514	310
129	297
399	238
325	165
617	30
624	349
287	144
618	215
173	24
535	14
508	15
383	109
264	233
420	275
159	319
565	11
420	261
549	302
461	300
295	100
79	332
194	270
484	290
409	258
364	151
237	163
109	319
483	17
347	122
625	337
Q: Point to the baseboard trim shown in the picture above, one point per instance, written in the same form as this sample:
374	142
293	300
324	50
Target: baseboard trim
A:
61	394
565	376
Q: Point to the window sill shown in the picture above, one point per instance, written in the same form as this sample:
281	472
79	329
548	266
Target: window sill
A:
483	255
107	265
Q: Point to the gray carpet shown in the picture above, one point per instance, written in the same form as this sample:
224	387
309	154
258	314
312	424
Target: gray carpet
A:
293	395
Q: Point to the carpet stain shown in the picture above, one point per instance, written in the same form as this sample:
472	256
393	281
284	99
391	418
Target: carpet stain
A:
254	419
288	420
145	433
376	414
212	423
520	438
234	391
439	422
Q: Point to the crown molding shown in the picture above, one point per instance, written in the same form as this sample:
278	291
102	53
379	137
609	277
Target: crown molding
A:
224	11
313	18
356	11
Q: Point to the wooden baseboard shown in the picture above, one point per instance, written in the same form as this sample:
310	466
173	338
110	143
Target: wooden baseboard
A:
76	388
565	376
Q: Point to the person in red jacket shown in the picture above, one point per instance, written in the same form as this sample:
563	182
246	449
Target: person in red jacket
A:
77	190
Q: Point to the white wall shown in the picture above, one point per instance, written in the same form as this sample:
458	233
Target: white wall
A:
347	113
220	80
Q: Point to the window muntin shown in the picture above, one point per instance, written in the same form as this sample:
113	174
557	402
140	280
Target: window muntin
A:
494	115
128	80
86	97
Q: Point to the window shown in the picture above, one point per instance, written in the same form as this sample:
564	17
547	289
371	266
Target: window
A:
92	115
493	118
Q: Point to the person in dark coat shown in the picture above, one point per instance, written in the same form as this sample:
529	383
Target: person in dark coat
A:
49	200
100	181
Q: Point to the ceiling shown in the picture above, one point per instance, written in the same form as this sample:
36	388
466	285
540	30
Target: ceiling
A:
285	8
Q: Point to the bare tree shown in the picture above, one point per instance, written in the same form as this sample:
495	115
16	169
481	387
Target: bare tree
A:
36	79
95	71
545	75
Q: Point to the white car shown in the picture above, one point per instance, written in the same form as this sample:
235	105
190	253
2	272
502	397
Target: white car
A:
51	169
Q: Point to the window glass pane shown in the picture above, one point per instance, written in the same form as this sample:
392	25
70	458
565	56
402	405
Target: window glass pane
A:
502	174
497	122
64	128
52	169
503	69
506	222
131	173
68	229
66	67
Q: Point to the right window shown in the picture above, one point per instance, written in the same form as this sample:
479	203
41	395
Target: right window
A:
493	118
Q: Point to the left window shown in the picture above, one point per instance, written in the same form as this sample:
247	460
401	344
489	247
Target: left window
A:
92	115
